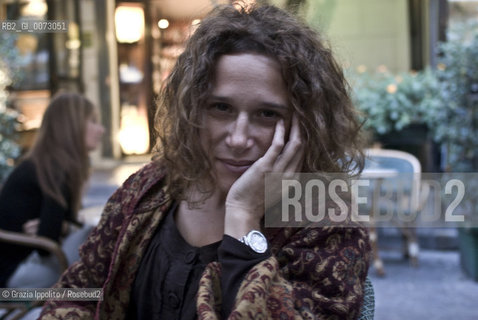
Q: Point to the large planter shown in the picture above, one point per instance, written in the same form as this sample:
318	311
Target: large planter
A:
414	139
468	243
413	134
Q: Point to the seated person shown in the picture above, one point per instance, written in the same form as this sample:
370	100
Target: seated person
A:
255	91
43	193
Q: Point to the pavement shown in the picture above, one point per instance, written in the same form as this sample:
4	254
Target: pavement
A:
436	289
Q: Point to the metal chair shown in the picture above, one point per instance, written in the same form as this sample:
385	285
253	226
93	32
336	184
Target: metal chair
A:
396	174
16	310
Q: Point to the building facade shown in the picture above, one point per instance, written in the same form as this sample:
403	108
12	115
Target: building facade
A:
118	53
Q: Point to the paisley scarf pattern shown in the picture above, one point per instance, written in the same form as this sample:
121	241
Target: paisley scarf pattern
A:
314	273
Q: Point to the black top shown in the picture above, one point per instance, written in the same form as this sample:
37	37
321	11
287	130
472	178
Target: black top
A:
21	199
168	277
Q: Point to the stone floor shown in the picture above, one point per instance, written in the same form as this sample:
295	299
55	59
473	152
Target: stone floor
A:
437	289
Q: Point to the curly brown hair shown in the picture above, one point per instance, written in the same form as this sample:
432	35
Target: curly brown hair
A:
318	93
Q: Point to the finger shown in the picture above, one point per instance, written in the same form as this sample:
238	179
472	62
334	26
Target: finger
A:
28	229
295	165
299	153
295	128
31	226
33	221
28	224
271	155
293	150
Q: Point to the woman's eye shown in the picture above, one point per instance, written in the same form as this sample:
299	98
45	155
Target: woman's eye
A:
222	107
269	114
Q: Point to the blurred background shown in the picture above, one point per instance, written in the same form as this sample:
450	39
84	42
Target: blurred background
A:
412	66
396	53
119	53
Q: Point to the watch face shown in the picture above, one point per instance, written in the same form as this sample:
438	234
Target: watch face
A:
257	242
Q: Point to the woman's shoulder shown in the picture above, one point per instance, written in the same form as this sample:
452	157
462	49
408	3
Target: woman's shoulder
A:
21	184
26	164
149	179
24	171
142	192
148	175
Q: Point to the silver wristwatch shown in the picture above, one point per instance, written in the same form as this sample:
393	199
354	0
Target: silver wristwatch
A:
256	241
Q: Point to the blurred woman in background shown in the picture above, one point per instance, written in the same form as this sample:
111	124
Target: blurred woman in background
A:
42	195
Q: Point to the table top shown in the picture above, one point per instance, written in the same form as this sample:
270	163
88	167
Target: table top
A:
378	173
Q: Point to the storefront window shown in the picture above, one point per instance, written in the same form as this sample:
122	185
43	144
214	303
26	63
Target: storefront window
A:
32	47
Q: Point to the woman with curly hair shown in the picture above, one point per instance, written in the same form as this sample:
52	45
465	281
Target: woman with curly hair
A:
42	195
254	92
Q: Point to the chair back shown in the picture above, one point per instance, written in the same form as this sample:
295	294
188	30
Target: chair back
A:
16	310
404	174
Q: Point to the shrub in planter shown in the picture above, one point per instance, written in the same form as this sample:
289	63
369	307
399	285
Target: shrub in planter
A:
458	76
391	102
9	150
400	110
468	240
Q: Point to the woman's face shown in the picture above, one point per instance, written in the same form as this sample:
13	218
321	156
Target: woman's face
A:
248	97
93	131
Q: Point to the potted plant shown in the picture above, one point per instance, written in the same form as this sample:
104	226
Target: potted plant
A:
458	76
9	150
392	102
400	110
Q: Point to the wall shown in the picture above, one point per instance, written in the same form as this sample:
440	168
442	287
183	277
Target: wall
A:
365	32
89	38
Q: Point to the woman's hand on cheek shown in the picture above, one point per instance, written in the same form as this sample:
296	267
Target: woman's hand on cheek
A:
245	200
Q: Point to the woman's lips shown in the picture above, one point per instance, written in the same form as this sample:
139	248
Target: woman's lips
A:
236	166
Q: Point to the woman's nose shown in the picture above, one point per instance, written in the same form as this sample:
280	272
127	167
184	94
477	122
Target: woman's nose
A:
239	133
